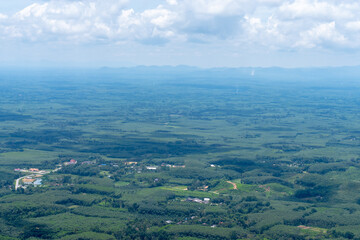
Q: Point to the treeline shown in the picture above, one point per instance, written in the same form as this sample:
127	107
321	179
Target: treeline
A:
13	214
139	230
47	136
74	201
81	170
138	147
7	178
9	116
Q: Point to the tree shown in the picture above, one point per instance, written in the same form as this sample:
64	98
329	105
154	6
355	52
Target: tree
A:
349	235
233	235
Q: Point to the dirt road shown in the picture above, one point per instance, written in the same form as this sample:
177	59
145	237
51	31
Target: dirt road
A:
234	185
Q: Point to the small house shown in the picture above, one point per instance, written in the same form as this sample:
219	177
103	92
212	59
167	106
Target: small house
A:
196	200
73	161
151	168
131	163
38	182
28	181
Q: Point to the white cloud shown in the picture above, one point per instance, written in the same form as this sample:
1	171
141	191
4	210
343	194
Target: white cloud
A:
3	16
316	9
159	17
353	26
279	24
214	7
322	34
172	2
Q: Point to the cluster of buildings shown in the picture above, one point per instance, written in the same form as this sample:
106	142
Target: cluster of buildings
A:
31	170
164	165
198	200
35	180
172	166
35	175
88	162
32	180
71	162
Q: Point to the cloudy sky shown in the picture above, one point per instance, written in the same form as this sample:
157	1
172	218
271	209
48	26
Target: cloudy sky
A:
206	33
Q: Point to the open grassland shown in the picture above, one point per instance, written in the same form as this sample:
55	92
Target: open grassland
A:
26	156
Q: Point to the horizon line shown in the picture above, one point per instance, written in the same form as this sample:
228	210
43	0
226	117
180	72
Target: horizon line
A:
66	67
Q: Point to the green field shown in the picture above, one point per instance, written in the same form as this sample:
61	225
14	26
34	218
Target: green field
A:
150	153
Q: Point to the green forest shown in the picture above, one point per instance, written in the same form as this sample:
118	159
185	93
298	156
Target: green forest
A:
111	155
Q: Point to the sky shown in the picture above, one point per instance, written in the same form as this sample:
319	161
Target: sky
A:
204	33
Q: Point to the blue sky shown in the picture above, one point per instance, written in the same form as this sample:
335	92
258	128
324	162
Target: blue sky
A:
205	33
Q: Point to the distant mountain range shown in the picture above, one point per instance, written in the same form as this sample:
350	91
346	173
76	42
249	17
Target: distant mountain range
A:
325	73
161	73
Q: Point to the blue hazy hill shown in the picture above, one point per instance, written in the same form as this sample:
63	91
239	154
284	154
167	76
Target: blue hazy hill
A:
183	74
